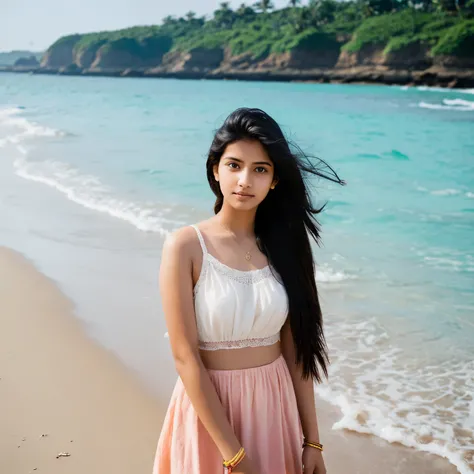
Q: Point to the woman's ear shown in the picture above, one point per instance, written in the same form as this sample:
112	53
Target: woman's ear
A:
274	183
216	174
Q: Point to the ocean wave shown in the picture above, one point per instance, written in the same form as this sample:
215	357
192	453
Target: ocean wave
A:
462	102
444	263
444	89
91	193
86	190
149	171
23	128
449	104
326	274
427	406
446	259
445	192
470	195
437	89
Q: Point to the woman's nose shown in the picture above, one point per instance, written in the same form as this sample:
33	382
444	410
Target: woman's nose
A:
244	179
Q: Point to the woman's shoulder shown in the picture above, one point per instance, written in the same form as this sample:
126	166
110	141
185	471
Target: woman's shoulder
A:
180	239
184	239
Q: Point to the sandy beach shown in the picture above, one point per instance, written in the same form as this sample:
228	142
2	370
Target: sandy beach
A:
56	382
60	392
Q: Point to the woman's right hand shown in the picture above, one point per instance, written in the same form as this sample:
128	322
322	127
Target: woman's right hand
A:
245	467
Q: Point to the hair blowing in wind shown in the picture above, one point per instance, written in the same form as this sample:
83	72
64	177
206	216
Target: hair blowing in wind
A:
283	223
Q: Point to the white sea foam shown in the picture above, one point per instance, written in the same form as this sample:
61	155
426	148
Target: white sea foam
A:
444	263
445	192
442	89
23	128
446	259
380	391
326	274
449	104
91	193
461	102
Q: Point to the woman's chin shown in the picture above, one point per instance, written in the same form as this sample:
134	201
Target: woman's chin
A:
243	205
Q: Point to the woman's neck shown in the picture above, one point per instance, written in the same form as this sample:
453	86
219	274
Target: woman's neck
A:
240	223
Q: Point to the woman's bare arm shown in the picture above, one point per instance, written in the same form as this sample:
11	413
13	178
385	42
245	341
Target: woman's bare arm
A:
304	389
176	289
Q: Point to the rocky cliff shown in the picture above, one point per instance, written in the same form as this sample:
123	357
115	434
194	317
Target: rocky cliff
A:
61	54
197	59
129	52
317	57
155	53
412	56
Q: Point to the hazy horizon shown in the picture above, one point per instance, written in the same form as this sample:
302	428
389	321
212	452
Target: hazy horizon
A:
34	26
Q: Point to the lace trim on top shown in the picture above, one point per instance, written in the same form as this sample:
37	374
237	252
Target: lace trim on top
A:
243	276
250	342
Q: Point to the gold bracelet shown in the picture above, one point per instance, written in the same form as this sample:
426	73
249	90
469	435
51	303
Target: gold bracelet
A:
235	461
313	445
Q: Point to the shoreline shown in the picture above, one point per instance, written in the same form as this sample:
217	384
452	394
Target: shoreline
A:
56	381
433	77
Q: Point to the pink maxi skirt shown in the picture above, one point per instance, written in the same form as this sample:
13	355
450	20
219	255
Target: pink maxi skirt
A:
260	403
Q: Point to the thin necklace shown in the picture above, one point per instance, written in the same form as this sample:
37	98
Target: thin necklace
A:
248	255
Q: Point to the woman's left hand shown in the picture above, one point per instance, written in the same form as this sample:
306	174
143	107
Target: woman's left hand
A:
313	462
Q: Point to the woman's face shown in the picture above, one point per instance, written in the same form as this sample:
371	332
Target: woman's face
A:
245	174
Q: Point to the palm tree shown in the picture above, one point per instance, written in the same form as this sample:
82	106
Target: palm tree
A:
263	5
224	17
190	16
245	13
242	8
168	20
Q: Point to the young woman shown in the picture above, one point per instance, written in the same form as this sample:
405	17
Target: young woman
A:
243	316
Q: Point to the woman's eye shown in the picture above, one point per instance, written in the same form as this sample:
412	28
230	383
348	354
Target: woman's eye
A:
261	169
231	165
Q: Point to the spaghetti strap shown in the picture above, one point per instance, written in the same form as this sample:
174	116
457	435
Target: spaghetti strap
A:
201	239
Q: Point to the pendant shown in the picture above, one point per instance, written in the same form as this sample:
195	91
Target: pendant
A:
248	256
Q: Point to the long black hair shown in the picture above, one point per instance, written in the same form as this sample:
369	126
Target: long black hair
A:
282	223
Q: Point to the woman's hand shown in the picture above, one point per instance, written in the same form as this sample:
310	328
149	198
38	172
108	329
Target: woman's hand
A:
313	462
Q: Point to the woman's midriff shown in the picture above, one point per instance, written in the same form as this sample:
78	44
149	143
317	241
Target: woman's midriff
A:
244	358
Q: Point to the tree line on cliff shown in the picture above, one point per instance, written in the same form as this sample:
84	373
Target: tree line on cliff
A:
441	27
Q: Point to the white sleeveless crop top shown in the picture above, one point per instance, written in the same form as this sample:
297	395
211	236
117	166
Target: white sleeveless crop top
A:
237	308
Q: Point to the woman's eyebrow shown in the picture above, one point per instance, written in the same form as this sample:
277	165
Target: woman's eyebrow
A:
268	163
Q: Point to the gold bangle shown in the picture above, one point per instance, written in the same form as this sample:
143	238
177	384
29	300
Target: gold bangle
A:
312	442
234	462
236	459
313	445
239	455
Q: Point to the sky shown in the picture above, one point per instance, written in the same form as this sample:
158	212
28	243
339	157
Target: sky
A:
35	24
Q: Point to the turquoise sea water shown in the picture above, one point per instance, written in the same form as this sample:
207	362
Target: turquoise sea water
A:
122	162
